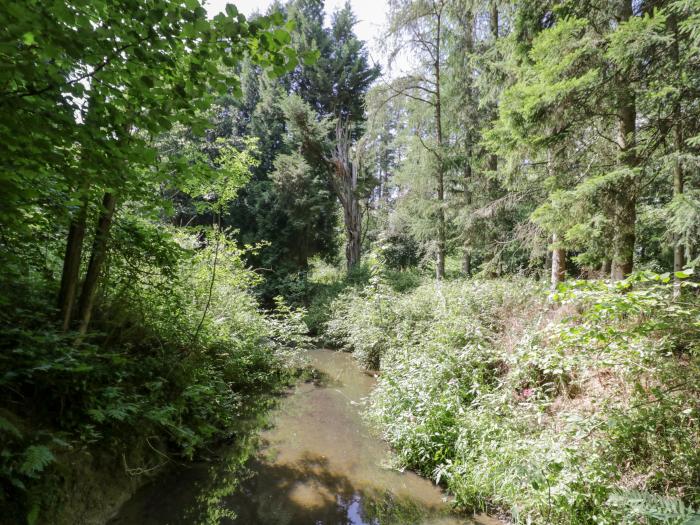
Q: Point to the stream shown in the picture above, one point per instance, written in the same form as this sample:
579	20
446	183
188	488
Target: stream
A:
317	464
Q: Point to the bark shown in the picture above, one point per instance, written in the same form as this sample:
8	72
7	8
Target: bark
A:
467	262
71	265
605	268
467	252
493	20
558	254
440	171
493	26
353	230
626	216
558	263
624	195
344	181
97	258
678	173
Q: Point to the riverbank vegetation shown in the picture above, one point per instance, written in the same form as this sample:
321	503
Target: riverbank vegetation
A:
572	408
129	340
502	218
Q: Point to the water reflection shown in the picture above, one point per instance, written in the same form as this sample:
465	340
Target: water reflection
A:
312	491
316	464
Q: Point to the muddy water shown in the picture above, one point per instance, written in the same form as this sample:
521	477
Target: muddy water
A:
318	465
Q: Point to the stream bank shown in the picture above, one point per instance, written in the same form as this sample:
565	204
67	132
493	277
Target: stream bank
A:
316	463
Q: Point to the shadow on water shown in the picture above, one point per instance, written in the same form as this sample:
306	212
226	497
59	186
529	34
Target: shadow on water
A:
312	491
316	464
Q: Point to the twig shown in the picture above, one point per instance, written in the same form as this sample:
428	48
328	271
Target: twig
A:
211	286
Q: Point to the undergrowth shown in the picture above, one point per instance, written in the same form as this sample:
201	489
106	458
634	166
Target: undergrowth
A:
575	408
175	362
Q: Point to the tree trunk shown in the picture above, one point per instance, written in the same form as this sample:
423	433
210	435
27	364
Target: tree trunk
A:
493	19
678	173
467	262
71	265
344	182
624	195
493	26
466	250
353	232
558	263
624	241
440	172
97	258
468	173
353	222
606	268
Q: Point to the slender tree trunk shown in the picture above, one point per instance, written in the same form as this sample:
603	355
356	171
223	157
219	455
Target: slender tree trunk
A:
558	255
210	293
606	268
493	26
353	222
558	263
97	258
624	239
353	231
624	197
440	172
71	264
678	173
493	19
467	250
468	173
382	189
467	263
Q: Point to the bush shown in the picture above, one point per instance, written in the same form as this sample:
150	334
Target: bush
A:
174	357
555	410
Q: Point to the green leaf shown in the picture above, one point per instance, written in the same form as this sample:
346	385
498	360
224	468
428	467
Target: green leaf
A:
277	18
33	515
310	57
684	274
8	427
282	36
36	458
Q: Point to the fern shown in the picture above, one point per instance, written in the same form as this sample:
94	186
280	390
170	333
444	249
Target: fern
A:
6	426
670	511
36	458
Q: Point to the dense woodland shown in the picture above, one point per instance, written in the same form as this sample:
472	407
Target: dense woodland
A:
503	218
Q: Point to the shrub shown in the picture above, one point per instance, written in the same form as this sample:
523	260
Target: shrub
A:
555	410
178	355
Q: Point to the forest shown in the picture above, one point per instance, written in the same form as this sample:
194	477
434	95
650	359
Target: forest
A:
495	213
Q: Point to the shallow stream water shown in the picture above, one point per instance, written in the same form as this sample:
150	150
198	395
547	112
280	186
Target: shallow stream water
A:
318	464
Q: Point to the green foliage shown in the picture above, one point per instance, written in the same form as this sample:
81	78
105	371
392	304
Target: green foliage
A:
290	202
98	71
36	458
546	410
324	285
654	508
141	373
